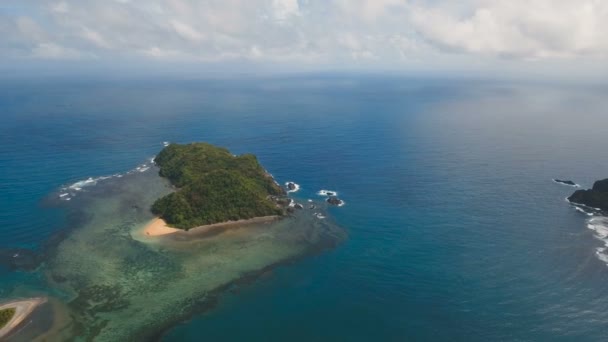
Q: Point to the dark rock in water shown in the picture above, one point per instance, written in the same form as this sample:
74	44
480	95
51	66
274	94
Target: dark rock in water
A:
601	185
291	210
20	259
566	182
330	193
596	197
298	206
283	201
334	200
312	206
291	186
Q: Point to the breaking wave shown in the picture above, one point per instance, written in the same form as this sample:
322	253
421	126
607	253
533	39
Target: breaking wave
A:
296	186
599	224
327	193
587	210
68	192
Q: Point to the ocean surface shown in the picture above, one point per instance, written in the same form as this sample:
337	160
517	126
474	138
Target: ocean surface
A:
456	230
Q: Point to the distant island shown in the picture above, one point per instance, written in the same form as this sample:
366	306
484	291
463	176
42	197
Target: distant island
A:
596	197
565	182
215	186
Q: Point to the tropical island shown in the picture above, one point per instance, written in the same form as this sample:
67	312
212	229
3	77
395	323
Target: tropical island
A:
12	314
213	186
228	222
596	197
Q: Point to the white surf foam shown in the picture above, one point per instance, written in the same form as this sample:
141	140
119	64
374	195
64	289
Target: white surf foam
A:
68	192
83	183
166	143
590	211
599	224
296	186
327	193
579	209
77	186
141	168
600	253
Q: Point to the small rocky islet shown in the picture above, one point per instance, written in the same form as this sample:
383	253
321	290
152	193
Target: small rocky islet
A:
333	200
565	182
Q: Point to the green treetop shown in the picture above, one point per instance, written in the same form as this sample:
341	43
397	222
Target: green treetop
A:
213	186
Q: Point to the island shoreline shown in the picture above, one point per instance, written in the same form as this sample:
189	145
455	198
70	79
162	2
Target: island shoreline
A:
159	228
24	309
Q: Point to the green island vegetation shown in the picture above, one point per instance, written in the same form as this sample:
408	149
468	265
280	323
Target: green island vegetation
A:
6	315
213	186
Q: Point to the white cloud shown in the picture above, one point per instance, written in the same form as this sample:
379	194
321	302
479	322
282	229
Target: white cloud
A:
369	10
156	52
186	31
29	29
54	51
385	33
61	7
95	38
529	29
256	52
285	9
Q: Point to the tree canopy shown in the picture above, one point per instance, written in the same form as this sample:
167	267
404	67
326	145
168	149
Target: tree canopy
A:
213	186
6	315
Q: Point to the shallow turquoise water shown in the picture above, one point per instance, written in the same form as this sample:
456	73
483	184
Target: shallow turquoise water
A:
456	231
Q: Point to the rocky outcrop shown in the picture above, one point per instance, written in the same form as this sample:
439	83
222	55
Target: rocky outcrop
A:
334	201
565	182
596	197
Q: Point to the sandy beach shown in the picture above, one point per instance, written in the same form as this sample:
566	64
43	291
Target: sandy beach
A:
158	227
23	309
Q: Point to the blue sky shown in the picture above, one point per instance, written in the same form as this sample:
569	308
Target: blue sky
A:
561	37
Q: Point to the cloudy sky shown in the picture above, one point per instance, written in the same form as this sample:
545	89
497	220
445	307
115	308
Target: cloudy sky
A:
557	36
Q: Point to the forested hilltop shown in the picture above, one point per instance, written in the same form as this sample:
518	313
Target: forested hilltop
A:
213	186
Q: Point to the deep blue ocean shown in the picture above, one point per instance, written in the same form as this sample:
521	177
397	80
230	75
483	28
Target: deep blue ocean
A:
456	230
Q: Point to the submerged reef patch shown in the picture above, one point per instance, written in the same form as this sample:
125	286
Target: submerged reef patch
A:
114	286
